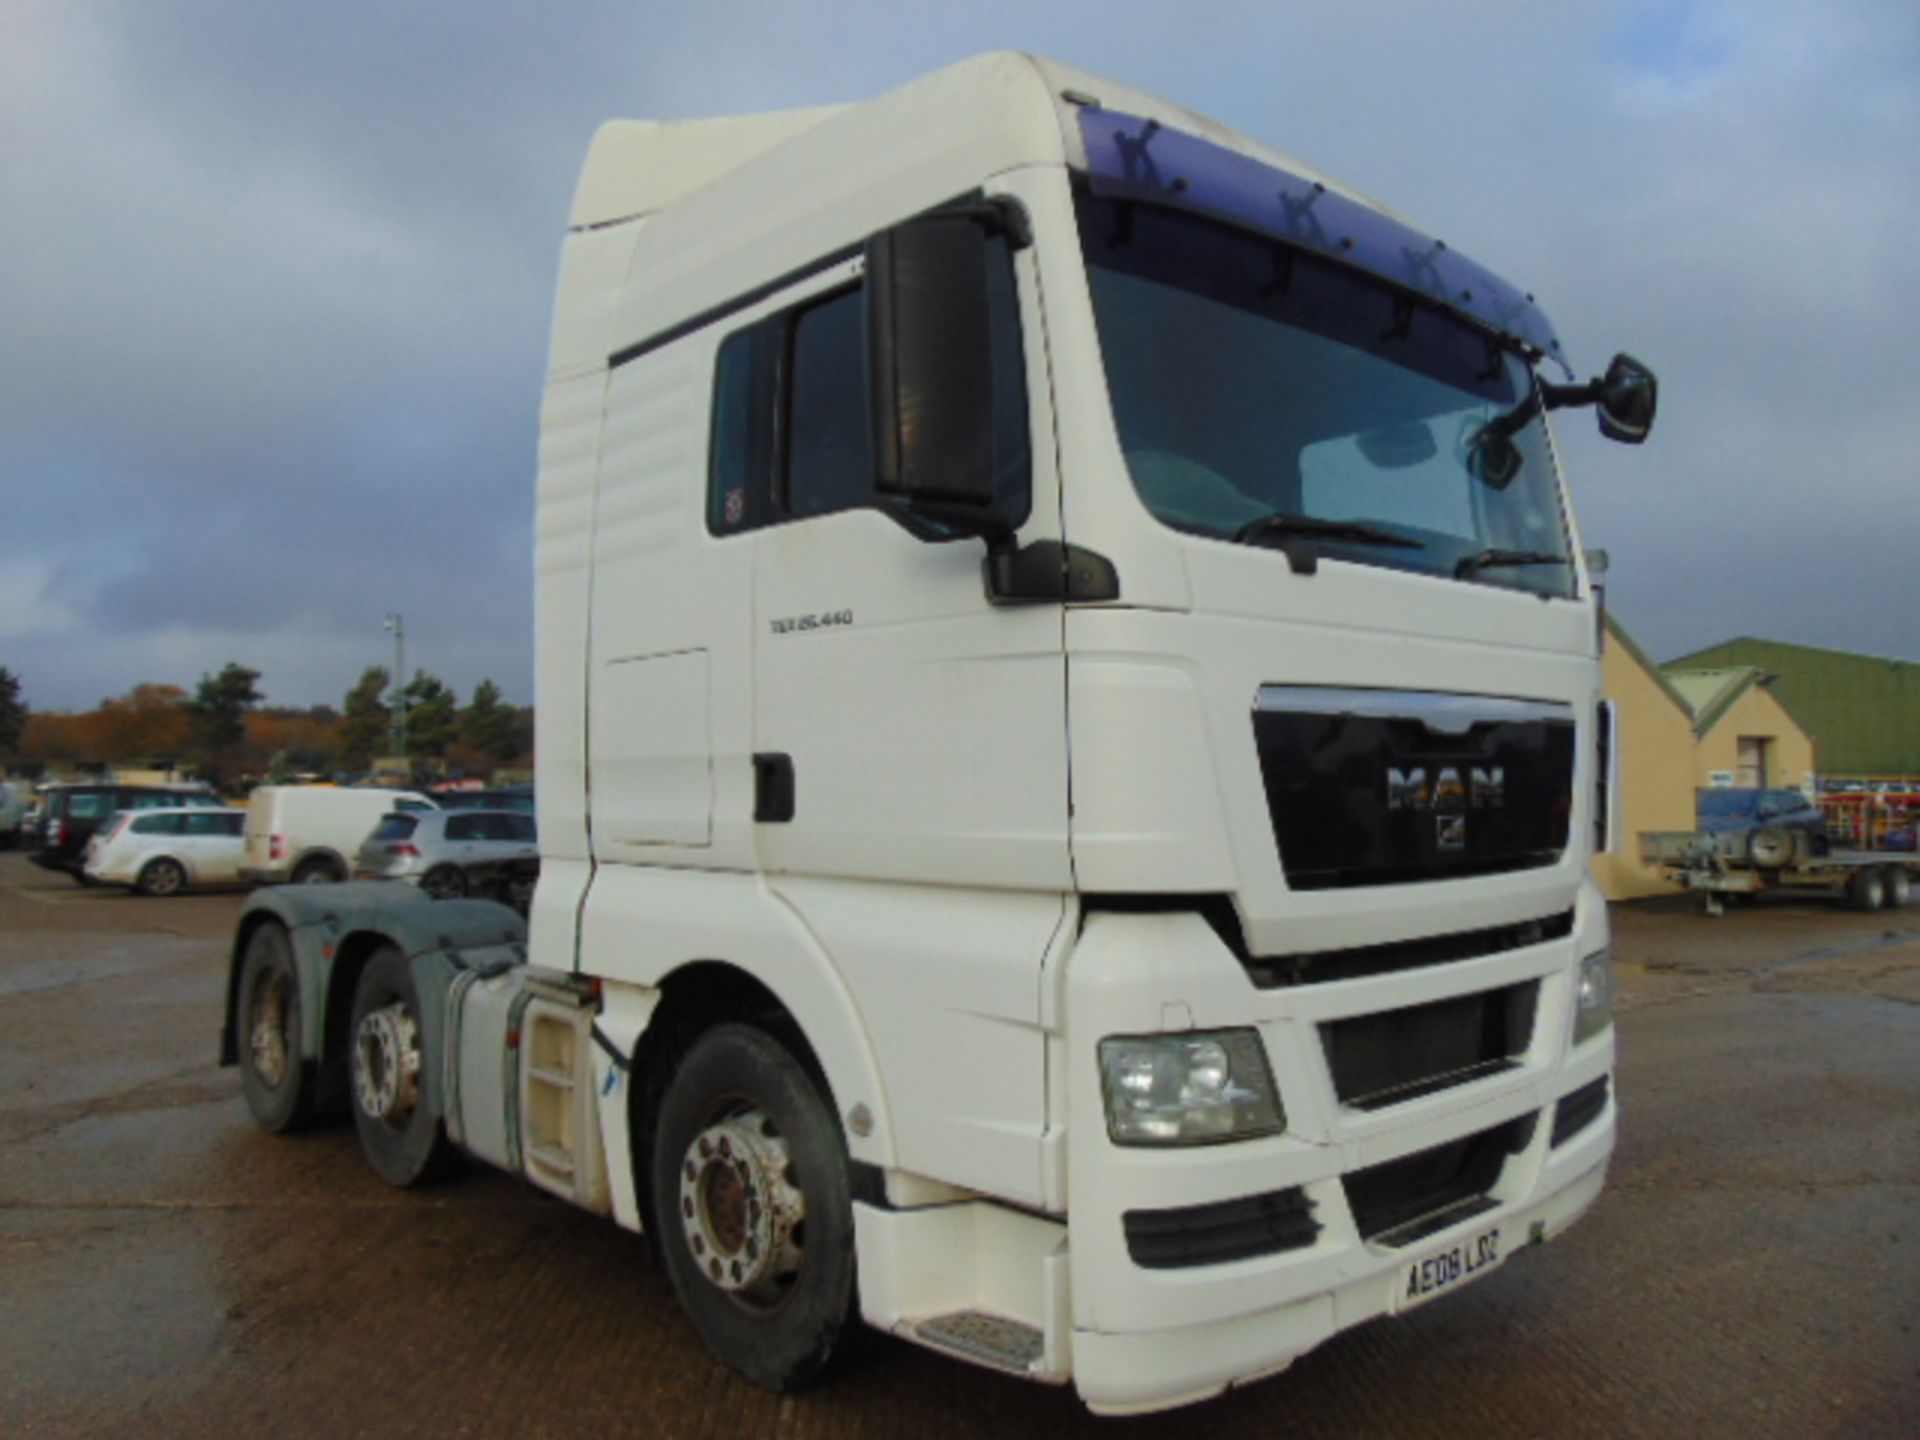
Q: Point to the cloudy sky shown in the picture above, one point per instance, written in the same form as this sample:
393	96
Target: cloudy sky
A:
275	278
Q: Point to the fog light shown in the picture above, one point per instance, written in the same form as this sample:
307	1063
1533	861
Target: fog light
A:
1197	1088
1593	996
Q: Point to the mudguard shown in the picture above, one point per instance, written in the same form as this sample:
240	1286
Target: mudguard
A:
328	924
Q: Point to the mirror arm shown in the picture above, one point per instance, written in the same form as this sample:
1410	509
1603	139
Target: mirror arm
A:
1559	397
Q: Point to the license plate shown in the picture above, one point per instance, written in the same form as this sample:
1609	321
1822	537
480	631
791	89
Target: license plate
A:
1448	1268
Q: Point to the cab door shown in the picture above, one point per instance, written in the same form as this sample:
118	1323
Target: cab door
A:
909	735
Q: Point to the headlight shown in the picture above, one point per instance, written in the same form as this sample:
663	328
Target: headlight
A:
1190	1089
1593	996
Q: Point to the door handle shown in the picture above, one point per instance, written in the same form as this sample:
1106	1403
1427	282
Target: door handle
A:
772	788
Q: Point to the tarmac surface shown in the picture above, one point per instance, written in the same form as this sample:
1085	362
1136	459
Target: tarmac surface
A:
1752	1270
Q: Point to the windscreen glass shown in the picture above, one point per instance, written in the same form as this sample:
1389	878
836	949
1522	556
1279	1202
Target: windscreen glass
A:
1266	395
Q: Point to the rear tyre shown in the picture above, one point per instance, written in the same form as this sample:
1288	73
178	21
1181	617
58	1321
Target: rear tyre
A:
1899	887
387	1061
444	882
161	878
318	871
273	1077
749	1179
1867	890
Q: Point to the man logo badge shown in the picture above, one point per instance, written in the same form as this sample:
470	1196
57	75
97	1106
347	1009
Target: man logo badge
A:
1450	832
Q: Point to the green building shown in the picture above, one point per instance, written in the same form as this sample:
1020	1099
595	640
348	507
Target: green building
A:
1862	710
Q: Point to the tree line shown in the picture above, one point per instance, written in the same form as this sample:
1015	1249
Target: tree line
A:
225	732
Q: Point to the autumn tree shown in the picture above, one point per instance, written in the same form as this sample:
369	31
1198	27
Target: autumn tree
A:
13	712
363	728
150	722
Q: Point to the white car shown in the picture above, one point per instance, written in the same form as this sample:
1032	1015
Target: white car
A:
162	852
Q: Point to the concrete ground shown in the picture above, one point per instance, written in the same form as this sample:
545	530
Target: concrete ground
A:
165	1269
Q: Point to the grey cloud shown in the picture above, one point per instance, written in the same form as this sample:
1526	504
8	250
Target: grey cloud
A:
274	310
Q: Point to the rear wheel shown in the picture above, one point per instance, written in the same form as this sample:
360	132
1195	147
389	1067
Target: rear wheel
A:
1867	890
273	1076
750	1184
402	1138
1899	887
162	877
317	871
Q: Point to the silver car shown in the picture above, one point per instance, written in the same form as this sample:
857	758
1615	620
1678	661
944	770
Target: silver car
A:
439	850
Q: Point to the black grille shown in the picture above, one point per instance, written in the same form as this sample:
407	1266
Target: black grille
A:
1392	1196
1389	787
1319	967
1578	1110
1214	1234
1397	1055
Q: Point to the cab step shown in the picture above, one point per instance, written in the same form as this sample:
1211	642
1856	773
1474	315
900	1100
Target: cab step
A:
990	1340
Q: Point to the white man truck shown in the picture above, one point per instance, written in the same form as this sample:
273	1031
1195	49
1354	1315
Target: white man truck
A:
1069	747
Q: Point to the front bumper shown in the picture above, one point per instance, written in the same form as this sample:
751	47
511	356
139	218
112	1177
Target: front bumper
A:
1120	1373
1147	1337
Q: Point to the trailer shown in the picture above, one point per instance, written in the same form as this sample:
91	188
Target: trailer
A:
1742	865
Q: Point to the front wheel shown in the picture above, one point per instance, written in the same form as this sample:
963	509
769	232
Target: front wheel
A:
401	1137
751	1192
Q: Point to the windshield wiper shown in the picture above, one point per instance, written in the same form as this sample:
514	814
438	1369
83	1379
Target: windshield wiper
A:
1501	559
1304	559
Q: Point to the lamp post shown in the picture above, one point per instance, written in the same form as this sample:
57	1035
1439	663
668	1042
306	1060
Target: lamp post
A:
399	685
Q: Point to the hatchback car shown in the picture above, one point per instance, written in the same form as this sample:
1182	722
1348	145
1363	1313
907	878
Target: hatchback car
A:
73	812
441	850
162	852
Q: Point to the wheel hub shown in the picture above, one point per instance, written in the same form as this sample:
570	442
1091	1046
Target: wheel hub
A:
267	1037
740	1210
386	1064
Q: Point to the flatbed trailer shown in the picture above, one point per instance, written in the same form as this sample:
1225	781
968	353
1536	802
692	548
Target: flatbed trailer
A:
1722	864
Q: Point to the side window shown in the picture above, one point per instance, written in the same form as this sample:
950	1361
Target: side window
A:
739	492
461	827
790	425
158	824
829	467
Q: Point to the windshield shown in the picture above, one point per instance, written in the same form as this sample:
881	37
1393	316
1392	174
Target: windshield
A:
1250	380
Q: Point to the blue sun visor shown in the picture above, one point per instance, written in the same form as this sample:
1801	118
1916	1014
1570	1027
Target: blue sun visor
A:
1129	158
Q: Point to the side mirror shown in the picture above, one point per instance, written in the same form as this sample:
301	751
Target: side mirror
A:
1627	396
931	369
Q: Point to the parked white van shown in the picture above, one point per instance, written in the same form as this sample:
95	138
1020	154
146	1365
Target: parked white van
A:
306	833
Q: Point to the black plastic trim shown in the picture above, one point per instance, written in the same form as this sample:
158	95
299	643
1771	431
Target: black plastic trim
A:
1222	1232
743	301
772	788
1388	1057
1048	571
1579	1108
1325	966
1389	1199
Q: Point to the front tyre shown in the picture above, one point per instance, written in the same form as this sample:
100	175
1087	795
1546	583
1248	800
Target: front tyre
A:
756	1219
274	1078
401	1137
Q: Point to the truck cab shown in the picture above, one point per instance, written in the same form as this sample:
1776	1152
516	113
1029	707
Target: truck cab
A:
1069	732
